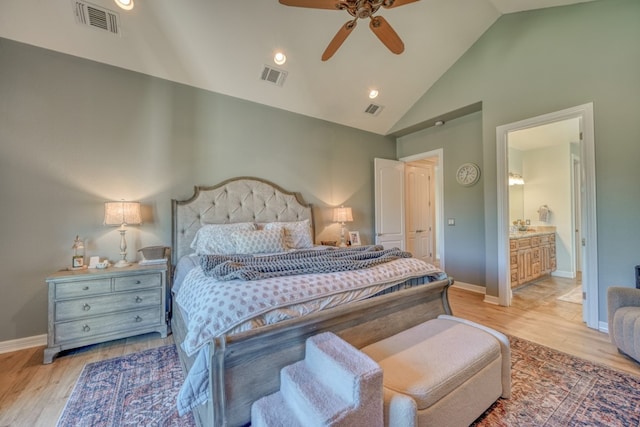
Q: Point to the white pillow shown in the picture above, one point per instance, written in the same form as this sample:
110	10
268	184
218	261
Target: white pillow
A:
297	234
259	241
215	239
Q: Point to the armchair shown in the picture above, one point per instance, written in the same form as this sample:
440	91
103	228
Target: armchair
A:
624	320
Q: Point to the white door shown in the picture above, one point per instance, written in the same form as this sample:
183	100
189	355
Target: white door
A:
419	230
389	203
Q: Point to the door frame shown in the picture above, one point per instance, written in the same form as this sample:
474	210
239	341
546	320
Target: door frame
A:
439	196
589	225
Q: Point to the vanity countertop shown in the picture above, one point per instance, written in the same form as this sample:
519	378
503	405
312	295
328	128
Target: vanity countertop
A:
537	231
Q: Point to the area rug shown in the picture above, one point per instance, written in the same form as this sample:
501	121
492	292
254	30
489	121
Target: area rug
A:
550	388
574	296
137	389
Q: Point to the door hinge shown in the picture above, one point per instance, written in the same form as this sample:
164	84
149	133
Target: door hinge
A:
584	242
584	296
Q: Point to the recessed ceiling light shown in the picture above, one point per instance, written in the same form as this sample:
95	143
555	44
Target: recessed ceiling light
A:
125	4
279	58
373	93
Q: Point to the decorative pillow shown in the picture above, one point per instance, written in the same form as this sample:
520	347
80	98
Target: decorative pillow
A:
259	241
297	234
215	239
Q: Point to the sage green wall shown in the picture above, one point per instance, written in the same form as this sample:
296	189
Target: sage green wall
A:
461	142
536	62
75	133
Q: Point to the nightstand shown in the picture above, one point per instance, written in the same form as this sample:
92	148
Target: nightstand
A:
92	305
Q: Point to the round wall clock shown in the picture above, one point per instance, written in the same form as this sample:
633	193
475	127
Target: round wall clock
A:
468	174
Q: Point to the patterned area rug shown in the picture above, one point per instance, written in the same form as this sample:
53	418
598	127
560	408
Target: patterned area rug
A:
549	388
137	389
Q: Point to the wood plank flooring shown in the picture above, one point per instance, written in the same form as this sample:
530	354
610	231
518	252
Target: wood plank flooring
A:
33	394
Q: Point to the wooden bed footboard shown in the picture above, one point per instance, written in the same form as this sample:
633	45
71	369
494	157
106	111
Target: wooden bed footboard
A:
246	366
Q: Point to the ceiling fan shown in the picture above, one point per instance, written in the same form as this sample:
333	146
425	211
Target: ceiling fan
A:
359	9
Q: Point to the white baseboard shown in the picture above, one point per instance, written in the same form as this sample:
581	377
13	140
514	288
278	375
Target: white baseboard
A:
603	327
564	274
469	287
489	299
22	343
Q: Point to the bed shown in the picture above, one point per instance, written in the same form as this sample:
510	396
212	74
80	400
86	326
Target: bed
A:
237	360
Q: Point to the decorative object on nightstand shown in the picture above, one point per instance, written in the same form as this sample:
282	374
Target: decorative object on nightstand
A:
120	214
354	238
342	215
77	260
154	255
91	306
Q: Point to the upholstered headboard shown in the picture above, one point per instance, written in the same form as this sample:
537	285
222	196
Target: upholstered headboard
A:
243	199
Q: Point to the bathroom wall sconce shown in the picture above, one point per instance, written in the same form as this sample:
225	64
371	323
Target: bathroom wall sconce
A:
515	179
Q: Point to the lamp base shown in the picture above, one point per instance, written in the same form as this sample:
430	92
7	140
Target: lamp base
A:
122	263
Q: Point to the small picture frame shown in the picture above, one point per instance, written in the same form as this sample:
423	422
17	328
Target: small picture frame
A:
354	237
77	261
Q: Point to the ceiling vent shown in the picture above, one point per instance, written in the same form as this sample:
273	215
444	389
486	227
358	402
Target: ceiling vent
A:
373	109
273	75
96	16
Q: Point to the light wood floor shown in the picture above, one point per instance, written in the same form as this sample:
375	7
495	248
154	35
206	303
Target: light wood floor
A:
33	394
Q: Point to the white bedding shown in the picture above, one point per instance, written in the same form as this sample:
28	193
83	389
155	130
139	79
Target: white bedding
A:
212	308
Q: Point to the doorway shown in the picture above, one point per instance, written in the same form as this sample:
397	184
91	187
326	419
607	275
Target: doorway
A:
391	202
587	249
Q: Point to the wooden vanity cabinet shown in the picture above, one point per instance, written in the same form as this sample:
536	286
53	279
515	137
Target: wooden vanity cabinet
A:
531	257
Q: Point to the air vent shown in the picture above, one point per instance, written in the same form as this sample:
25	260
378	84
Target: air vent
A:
373	109
273	75
97	17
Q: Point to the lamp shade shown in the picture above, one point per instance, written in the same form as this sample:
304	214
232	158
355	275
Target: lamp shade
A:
342	214
119	213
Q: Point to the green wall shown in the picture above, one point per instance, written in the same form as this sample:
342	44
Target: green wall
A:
75	133
536	62
461	142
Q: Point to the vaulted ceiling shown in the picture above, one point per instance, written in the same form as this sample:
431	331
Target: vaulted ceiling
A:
224	45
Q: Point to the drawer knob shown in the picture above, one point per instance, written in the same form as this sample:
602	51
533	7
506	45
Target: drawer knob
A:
86	307
86	328
138	299
85	288
138	319
138	282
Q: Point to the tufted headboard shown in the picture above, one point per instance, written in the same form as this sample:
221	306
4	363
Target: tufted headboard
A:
243	199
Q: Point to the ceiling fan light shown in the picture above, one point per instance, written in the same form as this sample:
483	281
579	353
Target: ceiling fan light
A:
373	93
125	4
279	58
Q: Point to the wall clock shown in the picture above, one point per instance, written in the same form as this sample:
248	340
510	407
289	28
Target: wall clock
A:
468	174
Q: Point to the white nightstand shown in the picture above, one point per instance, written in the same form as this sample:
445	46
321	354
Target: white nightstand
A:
92	305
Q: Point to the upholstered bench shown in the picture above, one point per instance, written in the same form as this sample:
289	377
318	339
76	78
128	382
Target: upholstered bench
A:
444	372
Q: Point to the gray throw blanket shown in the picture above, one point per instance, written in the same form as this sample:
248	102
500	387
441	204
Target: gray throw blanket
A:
249	267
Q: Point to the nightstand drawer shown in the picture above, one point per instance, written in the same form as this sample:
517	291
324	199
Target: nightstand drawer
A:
87	328
82	287
139	281
73	309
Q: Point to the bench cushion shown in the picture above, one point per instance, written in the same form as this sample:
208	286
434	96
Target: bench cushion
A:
432	359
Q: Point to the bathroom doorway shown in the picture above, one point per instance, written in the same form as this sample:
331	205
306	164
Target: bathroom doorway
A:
562	212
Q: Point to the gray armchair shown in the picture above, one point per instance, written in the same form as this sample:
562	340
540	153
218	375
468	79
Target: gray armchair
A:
624	320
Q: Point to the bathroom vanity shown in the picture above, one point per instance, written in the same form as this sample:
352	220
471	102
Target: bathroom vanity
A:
532	255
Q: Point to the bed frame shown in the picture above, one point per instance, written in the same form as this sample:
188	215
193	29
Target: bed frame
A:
246	366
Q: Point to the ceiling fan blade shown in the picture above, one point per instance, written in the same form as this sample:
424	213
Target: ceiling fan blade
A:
338	39
388	4
315	4
386	34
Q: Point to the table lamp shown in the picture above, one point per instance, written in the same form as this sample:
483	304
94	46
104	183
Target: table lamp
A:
120	214
342	215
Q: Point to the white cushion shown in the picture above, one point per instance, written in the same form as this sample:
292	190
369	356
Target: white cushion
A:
215	239
297	234
259	241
